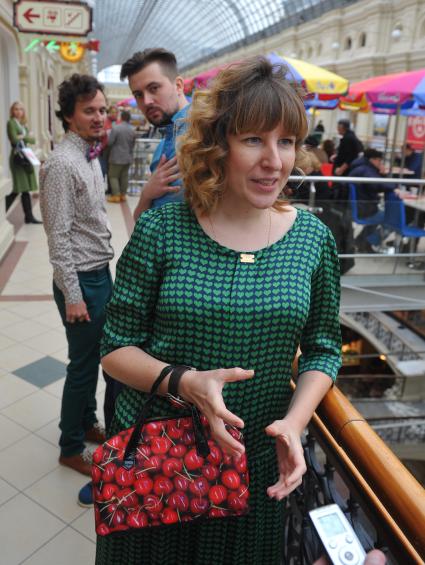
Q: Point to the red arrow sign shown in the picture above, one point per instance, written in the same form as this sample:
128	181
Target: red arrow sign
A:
29	15
52	17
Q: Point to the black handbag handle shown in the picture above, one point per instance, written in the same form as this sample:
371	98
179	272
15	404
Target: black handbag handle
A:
201	442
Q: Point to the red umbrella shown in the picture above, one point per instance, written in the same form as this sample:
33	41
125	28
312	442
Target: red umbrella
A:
189	84
127	102
390	91
390	94
202	80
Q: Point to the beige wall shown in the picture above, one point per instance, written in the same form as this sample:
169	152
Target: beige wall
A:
116	92
9	57
324	41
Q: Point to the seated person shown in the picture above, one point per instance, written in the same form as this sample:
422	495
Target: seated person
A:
369	165
311	144
311	166
413	161
328	147
337	218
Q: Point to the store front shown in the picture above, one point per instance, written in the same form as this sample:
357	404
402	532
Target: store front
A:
9	93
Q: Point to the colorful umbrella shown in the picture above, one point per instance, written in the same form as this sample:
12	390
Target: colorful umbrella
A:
316	80
390	91
202	80
128	102
189	85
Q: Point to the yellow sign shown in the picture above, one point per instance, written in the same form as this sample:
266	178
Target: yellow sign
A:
72	51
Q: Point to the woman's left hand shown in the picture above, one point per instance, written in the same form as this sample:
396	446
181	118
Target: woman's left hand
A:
290	457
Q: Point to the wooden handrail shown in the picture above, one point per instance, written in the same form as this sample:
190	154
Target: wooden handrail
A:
395	487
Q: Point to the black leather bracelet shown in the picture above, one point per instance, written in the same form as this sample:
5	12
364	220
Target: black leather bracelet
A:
165	371
174	380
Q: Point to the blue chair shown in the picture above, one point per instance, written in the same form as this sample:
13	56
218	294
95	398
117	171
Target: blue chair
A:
374	220
395	218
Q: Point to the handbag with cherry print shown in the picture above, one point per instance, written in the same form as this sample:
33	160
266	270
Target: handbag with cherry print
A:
166	470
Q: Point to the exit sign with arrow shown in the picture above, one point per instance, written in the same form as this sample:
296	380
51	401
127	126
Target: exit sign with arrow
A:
52	18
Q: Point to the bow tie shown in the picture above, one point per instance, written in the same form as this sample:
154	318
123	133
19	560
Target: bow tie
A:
93	151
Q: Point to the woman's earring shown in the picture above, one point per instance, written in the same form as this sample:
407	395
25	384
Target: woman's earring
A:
294	185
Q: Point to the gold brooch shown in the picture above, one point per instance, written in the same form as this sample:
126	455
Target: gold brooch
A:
247	258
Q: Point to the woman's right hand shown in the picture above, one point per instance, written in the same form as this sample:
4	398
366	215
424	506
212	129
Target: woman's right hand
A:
204	389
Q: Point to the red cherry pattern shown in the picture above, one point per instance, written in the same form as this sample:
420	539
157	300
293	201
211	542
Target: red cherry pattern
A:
170	482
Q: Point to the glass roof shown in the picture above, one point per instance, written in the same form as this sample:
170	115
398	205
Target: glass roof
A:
194	30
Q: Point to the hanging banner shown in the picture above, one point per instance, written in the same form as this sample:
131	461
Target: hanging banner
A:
416	132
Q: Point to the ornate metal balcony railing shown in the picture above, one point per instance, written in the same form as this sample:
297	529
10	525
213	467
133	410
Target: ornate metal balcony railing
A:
400	348
383	501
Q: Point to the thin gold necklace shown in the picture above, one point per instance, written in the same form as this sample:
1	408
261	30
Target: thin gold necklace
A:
245	257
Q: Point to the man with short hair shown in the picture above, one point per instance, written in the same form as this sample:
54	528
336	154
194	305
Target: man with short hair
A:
121	145
72	203
348	149
159	93
370	165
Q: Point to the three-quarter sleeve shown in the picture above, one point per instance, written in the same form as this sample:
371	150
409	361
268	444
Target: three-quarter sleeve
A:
321	339
29	138
12	133
130	313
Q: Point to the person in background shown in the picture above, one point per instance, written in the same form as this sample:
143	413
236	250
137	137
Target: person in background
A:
369	165
72	200
348	149
319	131
260	278
311	166
413	161
328	147
159	93
111	120
312	145
121	145
23	176
337	218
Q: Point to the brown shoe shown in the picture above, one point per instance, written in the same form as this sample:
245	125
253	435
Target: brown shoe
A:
114	199
123	197
96	434
80	462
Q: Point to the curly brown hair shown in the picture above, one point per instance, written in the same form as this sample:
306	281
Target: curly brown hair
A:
252	96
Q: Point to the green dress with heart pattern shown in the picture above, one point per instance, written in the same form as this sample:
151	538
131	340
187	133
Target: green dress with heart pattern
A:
185	299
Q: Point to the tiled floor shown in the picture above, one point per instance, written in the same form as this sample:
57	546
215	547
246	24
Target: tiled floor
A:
40	520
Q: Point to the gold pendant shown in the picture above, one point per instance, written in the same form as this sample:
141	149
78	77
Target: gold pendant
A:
247	258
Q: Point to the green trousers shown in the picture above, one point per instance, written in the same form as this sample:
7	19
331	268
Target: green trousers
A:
118	178
78	411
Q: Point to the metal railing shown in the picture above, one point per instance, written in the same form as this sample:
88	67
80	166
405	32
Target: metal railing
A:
381	498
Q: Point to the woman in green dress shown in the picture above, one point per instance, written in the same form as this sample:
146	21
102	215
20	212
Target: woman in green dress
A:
24	180
233	281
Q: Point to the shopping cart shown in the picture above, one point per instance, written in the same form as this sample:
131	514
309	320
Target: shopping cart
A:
139	172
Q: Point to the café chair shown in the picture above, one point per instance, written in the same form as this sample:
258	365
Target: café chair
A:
374	220
395	220
395	217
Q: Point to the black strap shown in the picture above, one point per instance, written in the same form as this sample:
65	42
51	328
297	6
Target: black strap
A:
176	374
200	439
133	441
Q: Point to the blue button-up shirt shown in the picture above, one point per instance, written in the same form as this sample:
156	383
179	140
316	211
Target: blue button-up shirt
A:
167	147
